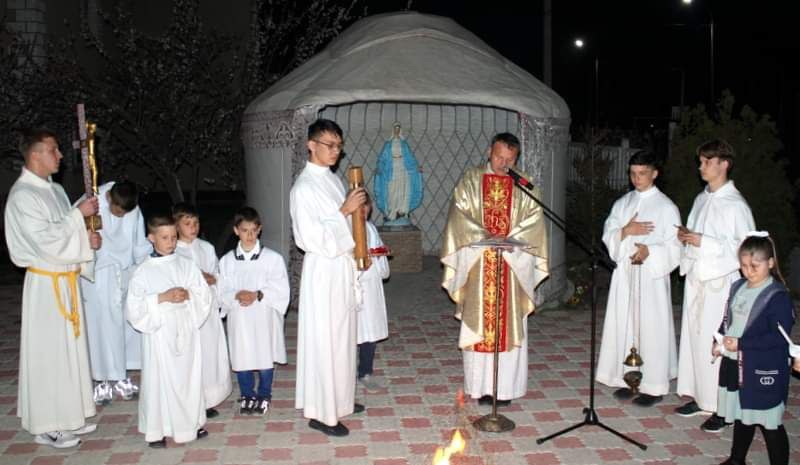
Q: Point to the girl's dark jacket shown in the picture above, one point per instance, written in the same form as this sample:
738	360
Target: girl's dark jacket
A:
763	352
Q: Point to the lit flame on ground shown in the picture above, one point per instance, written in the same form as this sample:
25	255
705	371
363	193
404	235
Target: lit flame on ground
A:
443	454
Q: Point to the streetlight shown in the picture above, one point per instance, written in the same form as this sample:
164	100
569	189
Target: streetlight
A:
711	44
579	44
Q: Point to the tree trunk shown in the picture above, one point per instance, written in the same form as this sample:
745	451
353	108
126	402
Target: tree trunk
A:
174	189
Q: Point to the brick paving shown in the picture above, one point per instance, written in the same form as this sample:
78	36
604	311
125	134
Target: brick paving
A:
414	414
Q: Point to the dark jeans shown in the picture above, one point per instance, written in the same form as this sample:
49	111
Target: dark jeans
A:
247	383
776	439
366	358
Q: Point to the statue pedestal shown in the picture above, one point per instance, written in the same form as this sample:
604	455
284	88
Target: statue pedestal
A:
406	246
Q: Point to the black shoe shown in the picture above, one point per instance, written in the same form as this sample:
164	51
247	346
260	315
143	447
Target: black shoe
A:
487	400
358	408
245	408
623	394
689	409
339	430
160	444
714	424
646	400
732	461
262	406
202	433
211	413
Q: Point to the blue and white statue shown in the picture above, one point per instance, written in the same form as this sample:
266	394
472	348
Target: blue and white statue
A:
398	181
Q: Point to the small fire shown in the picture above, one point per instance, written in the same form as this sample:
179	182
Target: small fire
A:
443	454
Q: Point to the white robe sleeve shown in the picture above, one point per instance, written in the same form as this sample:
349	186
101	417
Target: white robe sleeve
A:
321	232
619	249
276	290
226	285
200	295
664	253
381	264
141	308
61	242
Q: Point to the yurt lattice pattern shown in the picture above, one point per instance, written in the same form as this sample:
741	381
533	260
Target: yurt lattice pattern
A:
446	139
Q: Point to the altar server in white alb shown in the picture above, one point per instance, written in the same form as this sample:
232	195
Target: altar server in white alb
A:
718	222
125	245
168	301
642	240
373	325
326	337
217	383
48	237
254	289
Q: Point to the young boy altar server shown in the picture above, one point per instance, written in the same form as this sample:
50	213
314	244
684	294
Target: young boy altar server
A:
125	245
217	383
168	301
254	290
641	237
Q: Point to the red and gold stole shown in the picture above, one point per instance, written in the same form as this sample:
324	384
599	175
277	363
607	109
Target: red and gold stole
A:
497	220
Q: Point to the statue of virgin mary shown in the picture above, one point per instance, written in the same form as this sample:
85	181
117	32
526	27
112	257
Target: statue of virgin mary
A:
398	181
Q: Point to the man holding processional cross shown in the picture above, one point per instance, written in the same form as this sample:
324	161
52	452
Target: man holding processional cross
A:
49	238
485	205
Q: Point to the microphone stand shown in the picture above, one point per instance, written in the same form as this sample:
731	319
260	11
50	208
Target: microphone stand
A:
598	256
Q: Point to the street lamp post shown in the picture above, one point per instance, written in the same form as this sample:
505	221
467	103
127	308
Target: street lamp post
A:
594	115
712	81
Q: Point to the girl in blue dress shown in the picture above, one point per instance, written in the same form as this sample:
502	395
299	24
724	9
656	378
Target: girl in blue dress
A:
754	373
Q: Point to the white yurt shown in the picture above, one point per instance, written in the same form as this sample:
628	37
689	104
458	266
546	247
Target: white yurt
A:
449	91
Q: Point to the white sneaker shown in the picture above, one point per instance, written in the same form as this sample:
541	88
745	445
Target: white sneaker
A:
102	394
85	429
370	383
57	439
126	389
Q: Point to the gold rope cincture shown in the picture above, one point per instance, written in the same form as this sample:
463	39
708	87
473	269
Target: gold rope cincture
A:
72	277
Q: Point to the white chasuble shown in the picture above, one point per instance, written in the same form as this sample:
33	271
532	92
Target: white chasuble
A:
54	391
255	332
373	325
217	383
724	218
171	400
326	333
641	291
125	245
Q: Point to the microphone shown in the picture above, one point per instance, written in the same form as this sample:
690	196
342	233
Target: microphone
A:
519	180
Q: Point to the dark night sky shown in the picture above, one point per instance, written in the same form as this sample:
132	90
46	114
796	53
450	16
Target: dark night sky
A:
643	47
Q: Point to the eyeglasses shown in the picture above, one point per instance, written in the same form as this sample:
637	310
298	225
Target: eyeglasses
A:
331	145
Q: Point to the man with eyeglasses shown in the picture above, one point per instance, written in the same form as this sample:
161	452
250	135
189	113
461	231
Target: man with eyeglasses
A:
326	340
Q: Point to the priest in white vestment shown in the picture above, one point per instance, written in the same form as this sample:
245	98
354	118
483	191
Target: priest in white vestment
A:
168	301
326	338
487	204
125	245
48	237
718	222
217	383
641	238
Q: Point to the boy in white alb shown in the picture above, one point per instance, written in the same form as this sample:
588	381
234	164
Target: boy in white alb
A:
372	322
217	383
718	223
254	290
125	246
168	301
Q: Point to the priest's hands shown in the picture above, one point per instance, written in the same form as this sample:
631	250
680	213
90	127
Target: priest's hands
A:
688	237
642	252
637	228
246	298
355	199
89	206
175	295
95	240
796	364
210	279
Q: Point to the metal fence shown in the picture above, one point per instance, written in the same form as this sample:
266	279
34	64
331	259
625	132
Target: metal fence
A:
618	156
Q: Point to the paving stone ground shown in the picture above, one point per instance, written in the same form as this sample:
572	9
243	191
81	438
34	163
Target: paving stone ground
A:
415	413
